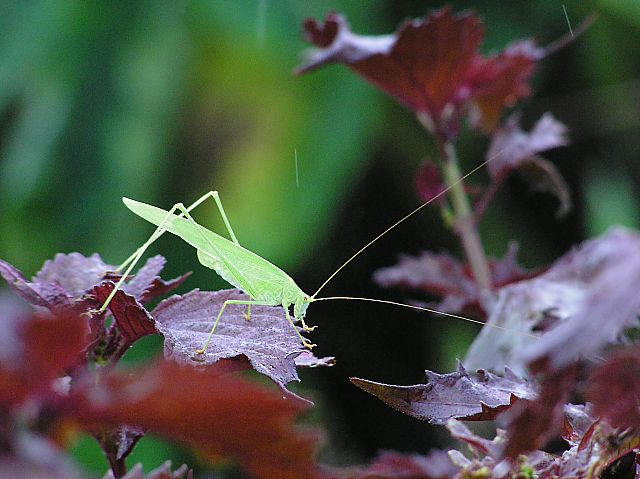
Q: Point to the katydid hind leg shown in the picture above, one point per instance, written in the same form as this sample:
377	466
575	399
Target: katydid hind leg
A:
247	315
132	260
216	197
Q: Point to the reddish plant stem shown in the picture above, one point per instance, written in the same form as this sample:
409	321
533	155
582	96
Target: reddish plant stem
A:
465	224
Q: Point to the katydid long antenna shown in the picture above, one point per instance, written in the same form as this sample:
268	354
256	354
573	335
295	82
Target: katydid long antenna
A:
401	220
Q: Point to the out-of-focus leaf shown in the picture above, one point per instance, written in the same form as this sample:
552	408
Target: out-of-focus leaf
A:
162	472
533	423
267	339
443	275
513	149
479	445
45	347
589	457
431	65
614	389
34	457
478	397
486	456
118	442
218	415
394	465
581	304
578	420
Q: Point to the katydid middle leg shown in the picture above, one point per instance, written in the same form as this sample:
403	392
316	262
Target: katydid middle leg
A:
218	201
160	231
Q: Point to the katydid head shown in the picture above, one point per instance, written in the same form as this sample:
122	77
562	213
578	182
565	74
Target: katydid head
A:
300	306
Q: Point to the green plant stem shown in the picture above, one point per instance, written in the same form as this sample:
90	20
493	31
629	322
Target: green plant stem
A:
465	225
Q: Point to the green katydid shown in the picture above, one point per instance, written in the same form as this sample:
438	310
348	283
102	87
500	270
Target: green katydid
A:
265	283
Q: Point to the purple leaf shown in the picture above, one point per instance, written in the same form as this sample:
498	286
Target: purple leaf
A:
51	296
147	284
63	281
74	272
457	395
479	445
267	339
307	359
581	304
442	275
512	149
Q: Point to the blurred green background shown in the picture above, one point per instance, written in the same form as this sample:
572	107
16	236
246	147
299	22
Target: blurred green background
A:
164	100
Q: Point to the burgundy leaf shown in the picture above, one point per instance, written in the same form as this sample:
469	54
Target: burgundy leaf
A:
267	339
45	347
533	423
500	80
218	415
443	275
147	284
162	472
431	65
133	321
614	389
53	344
581	304
513	149
394	465
477	397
